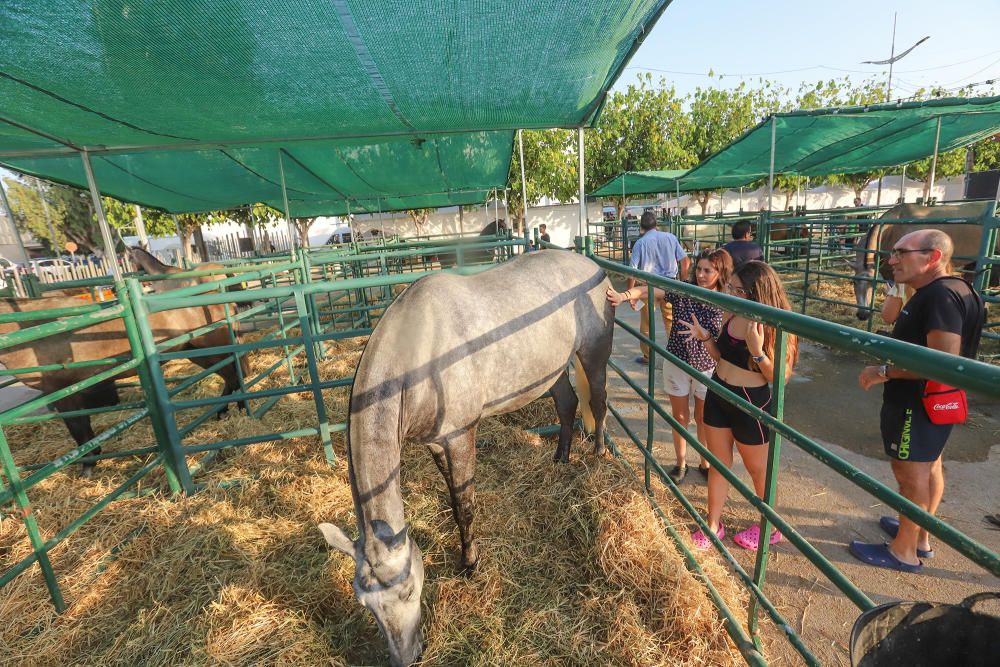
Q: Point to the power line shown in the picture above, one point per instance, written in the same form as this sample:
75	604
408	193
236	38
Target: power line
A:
961	62
823	67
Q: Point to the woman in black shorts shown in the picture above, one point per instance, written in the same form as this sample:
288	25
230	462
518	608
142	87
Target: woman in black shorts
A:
744	350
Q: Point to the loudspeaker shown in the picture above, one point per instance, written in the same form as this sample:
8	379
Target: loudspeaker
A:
982	184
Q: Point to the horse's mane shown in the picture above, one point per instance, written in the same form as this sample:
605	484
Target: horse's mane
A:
870	246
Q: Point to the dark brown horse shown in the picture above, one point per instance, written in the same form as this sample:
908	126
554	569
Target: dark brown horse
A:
882	237
106	340
477	256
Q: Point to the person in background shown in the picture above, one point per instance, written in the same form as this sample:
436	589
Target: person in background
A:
712	271
659	253
742	249
943	314
543	234
744	350
895	296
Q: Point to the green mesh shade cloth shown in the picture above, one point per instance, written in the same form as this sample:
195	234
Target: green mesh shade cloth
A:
321	177
667	181
850	140
177	94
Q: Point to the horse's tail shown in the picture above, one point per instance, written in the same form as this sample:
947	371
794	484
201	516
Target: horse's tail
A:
583	394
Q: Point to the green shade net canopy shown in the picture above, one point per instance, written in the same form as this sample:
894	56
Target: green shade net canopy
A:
186	105
850	140
668	181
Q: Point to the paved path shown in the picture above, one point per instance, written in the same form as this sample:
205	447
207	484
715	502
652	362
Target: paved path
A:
825	402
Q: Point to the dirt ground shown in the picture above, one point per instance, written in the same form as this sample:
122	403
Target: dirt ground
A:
825	402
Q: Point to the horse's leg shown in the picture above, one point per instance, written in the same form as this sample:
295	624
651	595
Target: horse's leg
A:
566	402
228	375
457	462
595	366
79	427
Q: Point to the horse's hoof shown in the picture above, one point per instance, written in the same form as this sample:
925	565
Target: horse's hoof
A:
87	471
564	458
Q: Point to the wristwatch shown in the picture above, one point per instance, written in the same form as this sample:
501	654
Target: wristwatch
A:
883	371
759	359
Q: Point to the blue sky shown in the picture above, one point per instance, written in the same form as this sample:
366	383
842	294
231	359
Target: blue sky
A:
732	38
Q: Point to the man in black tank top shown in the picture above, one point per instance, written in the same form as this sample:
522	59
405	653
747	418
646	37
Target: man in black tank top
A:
944	314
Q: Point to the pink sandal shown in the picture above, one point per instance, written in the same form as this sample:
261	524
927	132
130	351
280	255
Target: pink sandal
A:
750	538
701	541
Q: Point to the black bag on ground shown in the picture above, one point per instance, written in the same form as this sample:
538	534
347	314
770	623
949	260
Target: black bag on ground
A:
919	634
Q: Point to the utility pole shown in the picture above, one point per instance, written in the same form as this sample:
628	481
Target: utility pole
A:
888	89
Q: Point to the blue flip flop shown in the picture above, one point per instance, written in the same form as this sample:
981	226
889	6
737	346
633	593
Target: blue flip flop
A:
890	526
880	556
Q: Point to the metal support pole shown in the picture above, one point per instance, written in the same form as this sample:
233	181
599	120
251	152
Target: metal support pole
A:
771	480
741	199
381	218
581	224
48	216
109	244
350	221
930	182
9	212
902	186
524	182
288	215
766	218
140	228
770	173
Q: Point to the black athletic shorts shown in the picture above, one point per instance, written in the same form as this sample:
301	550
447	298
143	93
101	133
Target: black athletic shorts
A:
908	435
746	429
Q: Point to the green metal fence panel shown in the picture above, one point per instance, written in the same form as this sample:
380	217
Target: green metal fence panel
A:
960	372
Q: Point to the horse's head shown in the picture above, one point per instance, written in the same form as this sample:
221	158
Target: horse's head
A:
865	259
388	580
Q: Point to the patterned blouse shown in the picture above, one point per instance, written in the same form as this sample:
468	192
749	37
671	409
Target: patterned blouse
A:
689	349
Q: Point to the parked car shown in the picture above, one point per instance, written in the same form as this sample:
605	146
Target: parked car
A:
50	266
7	269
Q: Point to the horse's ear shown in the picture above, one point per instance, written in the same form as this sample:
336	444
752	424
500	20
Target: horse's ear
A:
336	538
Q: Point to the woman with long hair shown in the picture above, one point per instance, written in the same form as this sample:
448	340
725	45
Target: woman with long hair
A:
744	350
711	271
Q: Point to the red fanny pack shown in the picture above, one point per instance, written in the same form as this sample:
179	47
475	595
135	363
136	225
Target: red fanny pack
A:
944	404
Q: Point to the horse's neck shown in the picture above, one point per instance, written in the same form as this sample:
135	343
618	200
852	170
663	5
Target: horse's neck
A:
374	464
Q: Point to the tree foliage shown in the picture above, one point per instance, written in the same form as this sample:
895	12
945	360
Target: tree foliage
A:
54	214
550	169
642	128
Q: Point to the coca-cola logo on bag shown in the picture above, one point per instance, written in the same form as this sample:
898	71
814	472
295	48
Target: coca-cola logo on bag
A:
946	406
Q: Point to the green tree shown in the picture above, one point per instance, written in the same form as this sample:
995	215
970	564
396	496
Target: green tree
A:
255	217
550	170
643	128
839	93
420	216
54	214
717	116
122	216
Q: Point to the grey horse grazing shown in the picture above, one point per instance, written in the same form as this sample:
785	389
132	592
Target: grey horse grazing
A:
450	351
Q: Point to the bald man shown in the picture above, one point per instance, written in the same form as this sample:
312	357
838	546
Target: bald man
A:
944	314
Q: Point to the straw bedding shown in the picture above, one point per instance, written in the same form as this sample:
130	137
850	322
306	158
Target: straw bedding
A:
574	567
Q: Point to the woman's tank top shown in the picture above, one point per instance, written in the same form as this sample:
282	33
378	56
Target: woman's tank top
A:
734	350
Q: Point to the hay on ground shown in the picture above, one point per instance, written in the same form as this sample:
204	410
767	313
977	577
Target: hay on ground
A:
574	566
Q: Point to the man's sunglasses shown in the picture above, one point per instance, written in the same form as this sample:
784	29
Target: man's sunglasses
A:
899	252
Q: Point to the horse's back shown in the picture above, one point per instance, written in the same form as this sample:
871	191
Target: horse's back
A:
481	344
